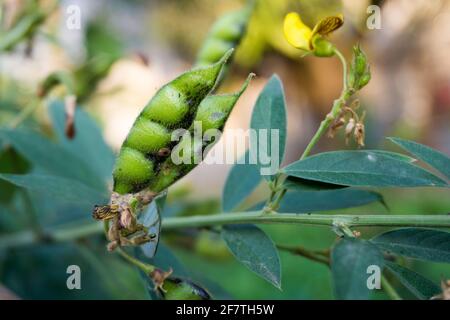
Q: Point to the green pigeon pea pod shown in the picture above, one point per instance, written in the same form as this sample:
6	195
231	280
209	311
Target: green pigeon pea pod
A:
149	143
214	110
226	33
212	113
180	289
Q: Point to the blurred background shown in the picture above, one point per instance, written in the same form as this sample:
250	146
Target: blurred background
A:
148	43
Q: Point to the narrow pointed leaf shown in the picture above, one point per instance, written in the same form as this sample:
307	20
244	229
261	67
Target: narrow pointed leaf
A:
434	158
151	219
299	184
254	249
61	188
420	286
422	244
310	201
269	114
350	260
240	183
88	141
51	157
362	168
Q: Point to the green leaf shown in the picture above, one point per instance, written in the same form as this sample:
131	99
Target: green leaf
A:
151	219
422	244
240	183
362	168
299	184
434	158
310	201
269	113
61	188
394	155
254	249
40	272
10	162
51	157
88	141
350	259
420	286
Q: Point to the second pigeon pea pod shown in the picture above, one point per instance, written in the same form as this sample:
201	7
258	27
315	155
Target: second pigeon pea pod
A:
212	113
226	33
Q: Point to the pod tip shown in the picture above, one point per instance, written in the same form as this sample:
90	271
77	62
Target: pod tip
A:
226	56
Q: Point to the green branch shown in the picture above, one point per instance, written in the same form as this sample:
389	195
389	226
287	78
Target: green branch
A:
335	110
76	231
389	289
308	254
276	197
256	217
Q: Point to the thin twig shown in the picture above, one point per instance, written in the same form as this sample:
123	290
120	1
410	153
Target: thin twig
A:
311	255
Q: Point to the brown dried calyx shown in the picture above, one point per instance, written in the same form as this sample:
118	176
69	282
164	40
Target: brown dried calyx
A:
354	124
159	276
124	229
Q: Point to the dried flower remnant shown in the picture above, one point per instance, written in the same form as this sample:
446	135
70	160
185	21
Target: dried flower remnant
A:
70	105
445	295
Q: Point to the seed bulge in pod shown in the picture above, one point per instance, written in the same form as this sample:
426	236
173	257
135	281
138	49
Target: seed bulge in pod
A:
131	169
214	110
185	156
147	136
181	97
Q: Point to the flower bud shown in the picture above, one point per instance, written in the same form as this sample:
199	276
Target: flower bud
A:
359	134
359	75
338	124
323	47
360	61
365	79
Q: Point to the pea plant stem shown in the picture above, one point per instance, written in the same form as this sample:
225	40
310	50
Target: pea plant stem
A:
437	221
335	110
146	268
389	289
308	254
275	198
74	231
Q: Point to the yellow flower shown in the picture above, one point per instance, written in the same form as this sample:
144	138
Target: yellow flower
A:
302	37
